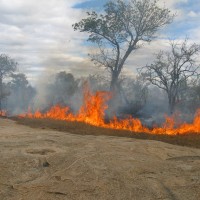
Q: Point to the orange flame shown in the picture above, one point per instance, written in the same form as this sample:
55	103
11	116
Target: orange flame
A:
93	112
3	113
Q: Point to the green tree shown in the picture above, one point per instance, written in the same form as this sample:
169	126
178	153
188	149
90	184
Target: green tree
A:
21	93
122	29
7	67
62	89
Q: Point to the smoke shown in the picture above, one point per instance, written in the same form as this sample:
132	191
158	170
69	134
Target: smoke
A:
58	89
40	100
156	107
134	97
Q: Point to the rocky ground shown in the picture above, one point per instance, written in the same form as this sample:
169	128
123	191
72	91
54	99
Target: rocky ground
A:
42	164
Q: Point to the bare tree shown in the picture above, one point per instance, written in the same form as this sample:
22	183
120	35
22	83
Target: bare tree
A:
120	30
172	70
7	66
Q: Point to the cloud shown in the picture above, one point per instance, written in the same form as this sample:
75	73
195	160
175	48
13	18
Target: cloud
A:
193	14
33	33
41	38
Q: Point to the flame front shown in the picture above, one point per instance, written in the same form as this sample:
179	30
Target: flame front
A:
3	113
93	112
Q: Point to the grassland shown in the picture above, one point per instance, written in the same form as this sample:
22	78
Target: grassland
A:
189	140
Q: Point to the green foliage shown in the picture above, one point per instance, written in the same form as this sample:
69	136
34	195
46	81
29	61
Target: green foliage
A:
121	20
62	89
19	81
119	28
7	65
21	93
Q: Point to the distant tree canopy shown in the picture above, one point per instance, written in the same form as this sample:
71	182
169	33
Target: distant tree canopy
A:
21	93
7	67
18	81
65	81
62	89
120	30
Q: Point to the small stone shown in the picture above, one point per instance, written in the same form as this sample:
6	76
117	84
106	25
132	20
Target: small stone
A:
45	164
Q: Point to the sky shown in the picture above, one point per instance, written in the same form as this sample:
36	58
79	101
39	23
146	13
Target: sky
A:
40	37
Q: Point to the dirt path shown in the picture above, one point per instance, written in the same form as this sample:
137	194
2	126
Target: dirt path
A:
48	165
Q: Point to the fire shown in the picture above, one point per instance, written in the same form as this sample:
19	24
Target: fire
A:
3	113
93	112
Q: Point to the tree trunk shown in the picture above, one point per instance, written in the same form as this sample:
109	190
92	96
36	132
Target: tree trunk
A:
113	102
114	82
171	103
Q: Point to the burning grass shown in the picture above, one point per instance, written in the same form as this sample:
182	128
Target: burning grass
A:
2	113
93	110
189	139
90	120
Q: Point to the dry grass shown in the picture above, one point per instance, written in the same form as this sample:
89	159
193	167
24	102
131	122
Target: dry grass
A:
190	140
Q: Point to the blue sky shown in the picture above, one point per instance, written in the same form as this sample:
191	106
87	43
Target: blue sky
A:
41	38
176	29
189	5
97	4
185	24
190	19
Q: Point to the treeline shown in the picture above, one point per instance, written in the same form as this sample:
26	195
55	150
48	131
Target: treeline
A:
169	84
17	94
135	97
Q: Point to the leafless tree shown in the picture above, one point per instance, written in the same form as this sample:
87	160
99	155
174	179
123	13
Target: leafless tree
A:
7	66
172	70
122	29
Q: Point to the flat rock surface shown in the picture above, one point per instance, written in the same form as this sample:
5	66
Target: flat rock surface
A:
39	164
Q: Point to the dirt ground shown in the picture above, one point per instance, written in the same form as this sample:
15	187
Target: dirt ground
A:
42	164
